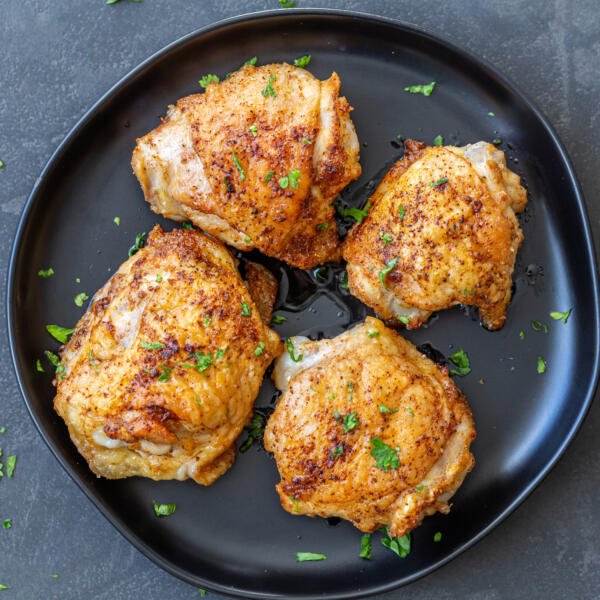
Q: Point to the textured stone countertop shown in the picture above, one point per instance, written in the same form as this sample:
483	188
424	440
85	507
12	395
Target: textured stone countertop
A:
58	58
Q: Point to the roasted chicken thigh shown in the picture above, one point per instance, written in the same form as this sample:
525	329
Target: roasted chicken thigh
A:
441	231
256	161
367	429
161	372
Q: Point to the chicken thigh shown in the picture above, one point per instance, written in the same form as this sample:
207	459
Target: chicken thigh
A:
367	429
441	231
256	161
161	373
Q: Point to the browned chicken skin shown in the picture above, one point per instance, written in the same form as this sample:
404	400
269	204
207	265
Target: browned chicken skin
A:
442	223
340	402
162	371
256	161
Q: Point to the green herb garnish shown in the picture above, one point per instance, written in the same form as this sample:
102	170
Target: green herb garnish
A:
365	546
385	456
152	345
561	316
373	334
202	592
437	536
425	89
398	545
7	524
208	78
269	176
386	237
384	410
305	556
45	273
350	212
294	176
350	422
238	166
401	212
521	335
256	430
11	463
165	373
404	319
289	344
61	334
279	319
140	242
253	129
38	366
258	351
287	3
461	359
246	310
496	141
541	365
250	62
80	299
269	90
322	226
439	182
303	61
187	225
388	268
539	326
55	361
163	510
117	221
337	451
438	140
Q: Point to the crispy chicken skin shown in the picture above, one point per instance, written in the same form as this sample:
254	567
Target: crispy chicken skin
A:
444	219
161	372
221	159
325	463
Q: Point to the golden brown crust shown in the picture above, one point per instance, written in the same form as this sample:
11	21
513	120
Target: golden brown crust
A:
425	418
162	371
449	233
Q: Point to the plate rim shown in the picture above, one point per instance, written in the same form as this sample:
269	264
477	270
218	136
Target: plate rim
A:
90	113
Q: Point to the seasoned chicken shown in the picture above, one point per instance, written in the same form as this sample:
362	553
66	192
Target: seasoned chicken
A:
368	429
441	231
161	372
256	161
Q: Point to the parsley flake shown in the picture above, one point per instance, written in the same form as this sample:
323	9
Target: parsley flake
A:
541	365
404	319
294	176
38	366
255	429
461	360
140	242
385	456
287	3
539	326
283	182
439	182
117	221
207	79
55	361
279	319
163	510
202	592
322	226
7	524
303	61
350	422
425	89
386	237
398	545
491	114
253	129
307	556
373	334
60	334
268	176
187	225
238	166
521	335
337	451
246	310
437	536
258	351
165	373
561	316
289	344
401	212
80	299
269	90
11	463
388	268
384	410
152	345
438	140
366	547
45	273
496	141
250	62
350	212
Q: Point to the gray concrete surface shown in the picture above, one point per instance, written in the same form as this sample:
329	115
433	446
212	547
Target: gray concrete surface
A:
57	59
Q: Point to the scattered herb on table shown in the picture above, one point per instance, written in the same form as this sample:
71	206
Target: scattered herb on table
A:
461	360
309	556
539	326
11	463
139	243
117	221
80	299
561	316
438	140
7	524
287	3
521	335
437	536
398	545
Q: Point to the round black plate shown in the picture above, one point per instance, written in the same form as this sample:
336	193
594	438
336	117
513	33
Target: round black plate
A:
233	536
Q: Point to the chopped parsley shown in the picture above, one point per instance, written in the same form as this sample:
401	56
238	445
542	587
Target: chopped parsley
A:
521	335
344	281
289	344
259	350
202	592
491	114
409	410
294	176
251	62
386	237
384	272
384	410
279	319
11	463
401	212
303	61
80	299
208	78
350	212
350	422
306	140
152	345
253	129
247	239
140	242
437	536
163	510
539	326
283	182
420	488
438	140
159	278
305	556
561	316
256	430
385	456
2	586
246	310
541	365
337	451
496	141
45	273
238	166
295	503
322	226
365	546
373	334
404	319
461	360
3	429
165	373
207	320
425	89
187	225
439	182
269	90
38	366
268	176
287	3
2	165
117	221
61	334
398	545
7	524
55	361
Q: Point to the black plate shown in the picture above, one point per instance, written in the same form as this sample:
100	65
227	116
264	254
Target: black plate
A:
233	536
